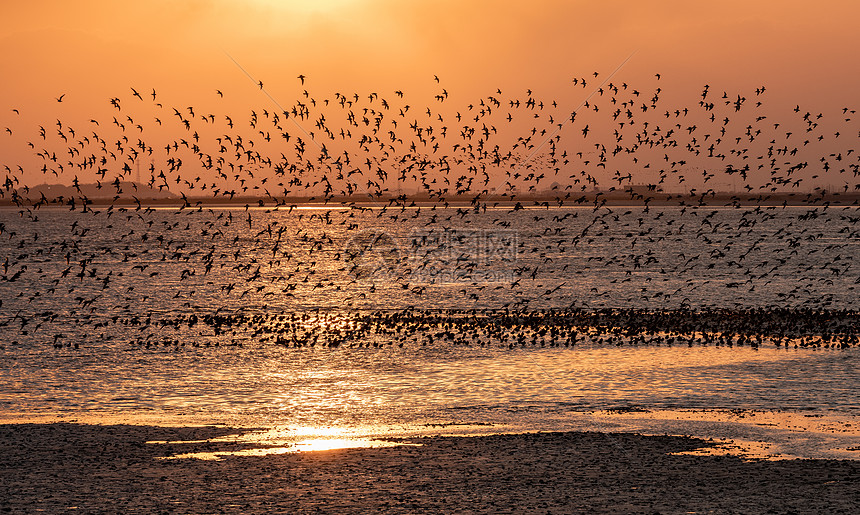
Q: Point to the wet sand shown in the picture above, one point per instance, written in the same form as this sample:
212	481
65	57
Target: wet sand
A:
111	468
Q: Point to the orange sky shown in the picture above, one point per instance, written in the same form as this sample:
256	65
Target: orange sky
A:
94	50
379	42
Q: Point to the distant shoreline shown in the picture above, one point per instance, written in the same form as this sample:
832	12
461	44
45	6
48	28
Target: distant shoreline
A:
592	200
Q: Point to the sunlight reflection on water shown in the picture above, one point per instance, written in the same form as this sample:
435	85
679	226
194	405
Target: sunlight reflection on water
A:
282	441
301	446
271	385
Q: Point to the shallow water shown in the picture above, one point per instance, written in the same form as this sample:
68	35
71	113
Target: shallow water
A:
624	259
87	267
330	387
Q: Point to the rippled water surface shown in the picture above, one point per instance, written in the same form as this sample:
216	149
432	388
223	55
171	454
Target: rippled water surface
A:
388	386
144	267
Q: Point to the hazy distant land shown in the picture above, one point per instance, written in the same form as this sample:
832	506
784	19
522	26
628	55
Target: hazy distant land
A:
129	193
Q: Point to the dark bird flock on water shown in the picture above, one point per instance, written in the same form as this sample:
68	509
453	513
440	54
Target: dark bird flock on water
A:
374	220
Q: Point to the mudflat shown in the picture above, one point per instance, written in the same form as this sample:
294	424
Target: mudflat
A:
61	467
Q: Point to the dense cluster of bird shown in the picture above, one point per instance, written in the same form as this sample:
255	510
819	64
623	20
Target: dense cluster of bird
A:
500	165
517	329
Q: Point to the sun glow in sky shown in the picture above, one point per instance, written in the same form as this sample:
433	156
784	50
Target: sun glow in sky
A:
57	46
308	6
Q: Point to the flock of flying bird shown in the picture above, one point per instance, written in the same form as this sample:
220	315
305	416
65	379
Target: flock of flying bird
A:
551	184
